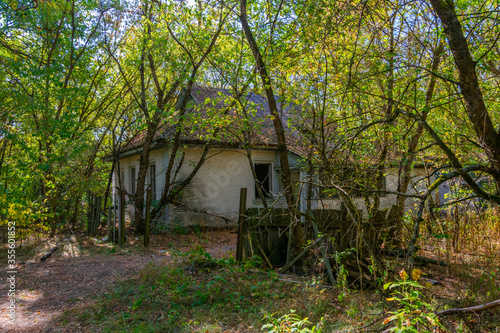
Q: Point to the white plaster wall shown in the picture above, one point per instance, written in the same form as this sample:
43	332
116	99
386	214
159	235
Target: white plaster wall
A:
156	157
212	198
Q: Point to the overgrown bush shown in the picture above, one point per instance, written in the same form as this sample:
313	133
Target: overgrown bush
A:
290	322
413	313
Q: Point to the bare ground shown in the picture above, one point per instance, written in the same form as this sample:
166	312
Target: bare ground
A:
71	277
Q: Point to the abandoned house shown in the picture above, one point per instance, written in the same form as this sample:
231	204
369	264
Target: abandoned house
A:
212	197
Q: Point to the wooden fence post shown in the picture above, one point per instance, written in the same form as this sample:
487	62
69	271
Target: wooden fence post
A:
241	220
109	224
121	227
291	262
97	217
148	213
89	211
289	243
93	214
114	217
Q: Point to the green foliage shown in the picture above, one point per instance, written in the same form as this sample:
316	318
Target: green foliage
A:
218	296
290	322
54	118
199	258
342	273
255	261
26	216
413	314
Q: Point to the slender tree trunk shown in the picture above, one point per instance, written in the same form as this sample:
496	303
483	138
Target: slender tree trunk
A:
168	194
273	108
397	211
470	89
141	179
140	226
286	175
2	154
405	174
380	174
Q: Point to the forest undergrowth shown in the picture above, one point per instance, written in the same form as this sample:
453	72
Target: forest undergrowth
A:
195	292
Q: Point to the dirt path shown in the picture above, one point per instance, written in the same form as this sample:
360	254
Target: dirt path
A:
46	289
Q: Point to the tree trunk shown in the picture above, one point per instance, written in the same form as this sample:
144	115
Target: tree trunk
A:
470	89
273	108
141	179
278	127
397	211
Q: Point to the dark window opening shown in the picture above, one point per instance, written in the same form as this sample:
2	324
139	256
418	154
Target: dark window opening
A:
263	173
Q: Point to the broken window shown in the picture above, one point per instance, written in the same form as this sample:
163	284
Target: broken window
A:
263	173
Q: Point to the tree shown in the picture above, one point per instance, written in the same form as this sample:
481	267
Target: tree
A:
61	90
489	138
189	34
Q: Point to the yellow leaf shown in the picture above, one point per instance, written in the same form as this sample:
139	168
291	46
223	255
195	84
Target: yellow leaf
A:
388	319
415	274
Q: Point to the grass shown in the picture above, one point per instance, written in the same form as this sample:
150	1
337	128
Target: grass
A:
204	295
196	293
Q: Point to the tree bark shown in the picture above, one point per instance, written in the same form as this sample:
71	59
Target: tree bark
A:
286	175
273	108
469	84
473	309
168	194
152	124
397	211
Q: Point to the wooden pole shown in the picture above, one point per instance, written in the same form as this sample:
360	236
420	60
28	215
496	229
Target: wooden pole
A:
114	217
89	211
289	264
324	252
148	214
241	220
289	244
97	216
109	224
121	227
94	214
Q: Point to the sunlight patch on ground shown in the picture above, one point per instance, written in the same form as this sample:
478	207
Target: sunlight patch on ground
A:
71	248
27	297
26	306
